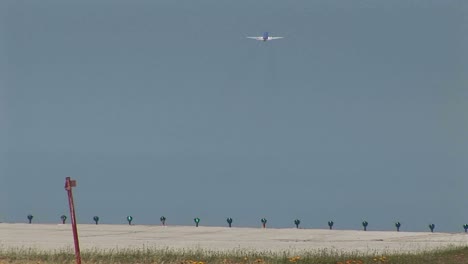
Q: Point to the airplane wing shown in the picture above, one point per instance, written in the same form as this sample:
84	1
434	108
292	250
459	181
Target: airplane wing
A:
256	38
272	38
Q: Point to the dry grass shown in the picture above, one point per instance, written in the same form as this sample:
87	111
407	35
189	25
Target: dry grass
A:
148	255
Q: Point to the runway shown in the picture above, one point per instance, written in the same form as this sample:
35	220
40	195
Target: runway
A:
50	237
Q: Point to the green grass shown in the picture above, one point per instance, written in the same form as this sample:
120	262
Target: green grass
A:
455	255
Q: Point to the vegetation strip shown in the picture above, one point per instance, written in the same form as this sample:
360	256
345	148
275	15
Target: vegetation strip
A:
455	255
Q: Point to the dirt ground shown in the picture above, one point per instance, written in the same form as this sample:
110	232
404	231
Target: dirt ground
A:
55	237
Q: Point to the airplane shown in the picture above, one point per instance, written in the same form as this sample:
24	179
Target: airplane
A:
265	37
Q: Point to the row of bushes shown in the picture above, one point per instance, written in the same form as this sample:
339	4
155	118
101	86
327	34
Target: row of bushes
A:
297	222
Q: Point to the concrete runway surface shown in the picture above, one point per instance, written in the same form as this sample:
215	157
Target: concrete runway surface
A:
51	237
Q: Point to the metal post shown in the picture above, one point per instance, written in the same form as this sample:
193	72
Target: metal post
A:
68	187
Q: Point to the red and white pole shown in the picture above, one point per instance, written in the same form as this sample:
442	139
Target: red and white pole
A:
69	183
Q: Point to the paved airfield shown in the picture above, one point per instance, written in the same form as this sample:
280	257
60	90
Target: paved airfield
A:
58	237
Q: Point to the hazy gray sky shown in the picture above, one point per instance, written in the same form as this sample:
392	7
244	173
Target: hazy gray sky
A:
165	108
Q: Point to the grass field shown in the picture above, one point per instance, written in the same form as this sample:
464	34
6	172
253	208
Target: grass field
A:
455	255
52	243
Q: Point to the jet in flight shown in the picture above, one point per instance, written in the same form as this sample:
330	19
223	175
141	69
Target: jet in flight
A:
265	37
